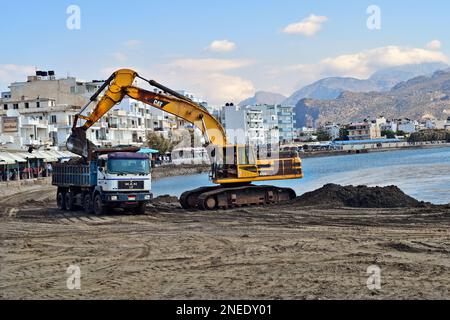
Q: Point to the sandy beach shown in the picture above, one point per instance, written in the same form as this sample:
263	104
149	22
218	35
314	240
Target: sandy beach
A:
274	252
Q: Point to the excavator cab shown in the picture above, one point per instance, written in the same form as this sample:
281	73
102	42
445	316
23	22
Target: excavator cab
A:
233	163
246	161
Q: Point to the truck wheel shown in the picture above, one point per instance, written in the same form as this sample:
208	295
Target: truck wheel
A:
99	207
87	204
60	200
140	209
69	201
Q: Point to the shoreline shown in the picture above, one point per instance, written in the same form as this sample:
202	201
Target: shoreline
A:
171	170
319	154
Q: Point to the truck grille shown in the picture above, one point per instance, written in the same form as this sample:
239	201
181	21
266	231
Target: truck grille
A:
131	184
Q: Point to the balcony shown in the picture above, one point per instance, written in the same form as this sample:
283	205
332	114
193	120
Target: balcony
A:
34	122
33	142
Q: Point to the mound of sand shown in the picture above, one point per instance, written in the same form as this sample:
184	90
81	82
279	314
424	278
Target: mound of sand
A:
332	195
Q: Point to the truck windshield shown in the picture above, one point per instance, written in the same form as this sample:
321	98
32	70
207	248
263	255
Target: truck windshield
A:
132	166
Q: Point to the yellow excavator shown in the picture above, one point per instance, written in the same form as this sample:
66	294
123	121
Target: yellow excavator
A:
234	167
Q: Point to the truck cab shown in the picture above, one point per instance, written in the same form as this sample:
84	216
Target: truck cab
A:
122	172
107	181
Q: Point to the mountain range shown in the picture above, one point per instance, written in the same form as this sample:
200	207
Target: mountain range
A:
264	97
333	87
419	97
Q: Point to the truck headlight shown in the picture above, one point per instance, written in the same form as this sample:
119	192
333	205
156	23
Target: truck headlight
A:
113	198
148	197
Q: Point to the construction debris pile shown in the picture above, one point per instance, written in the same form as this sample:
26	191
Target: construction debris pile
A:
332	195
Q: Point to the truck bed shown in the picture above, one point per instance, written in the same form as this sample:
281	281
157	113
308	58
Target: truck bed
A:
68	175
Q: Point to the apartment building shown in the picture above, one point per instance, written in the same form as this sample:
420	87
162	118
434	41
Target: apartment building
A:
243	125
364	131
435	124
278	122
40	112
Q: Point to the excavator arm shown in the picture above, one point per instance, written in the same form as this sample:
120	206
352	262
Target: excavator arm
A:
120	85
184	109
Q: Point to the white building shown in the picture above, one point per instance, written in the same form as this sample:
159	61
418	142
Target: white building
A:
407	125
389	126
243	125
278	122
447	124
435	124
41	112
333	130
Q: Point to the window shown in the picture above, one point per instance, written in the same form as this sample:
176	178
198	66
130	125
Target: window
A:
5	107
27	105
246	156
38	104
53	119
15	106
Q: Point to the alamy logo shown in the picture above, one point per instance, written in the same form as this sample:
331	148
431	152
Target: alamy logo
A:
374	20
74	20
374	280
74	279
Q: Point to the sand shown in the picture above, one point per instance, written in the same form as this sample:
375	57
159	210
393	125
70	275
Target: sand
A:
286	251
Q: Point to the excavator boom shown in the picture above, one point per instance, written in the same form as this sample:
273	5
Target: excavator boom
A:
120	84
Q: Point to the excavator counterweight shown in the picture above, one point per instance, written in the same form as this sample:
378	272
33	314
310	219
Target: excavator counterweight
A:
234	167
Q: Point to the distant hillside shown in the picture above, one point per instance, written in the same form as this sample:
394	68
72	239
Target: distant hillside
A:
263	97
383	80
331	88
415	98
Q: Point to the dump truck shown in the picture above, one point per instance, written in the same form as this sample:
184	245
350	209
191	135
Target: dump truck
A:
107	179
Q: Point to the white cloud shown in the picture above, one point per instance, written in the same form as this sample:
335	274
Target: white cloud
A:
12	73
217	88
307	27
363	64
221	46
209	78
120	56
434	45
133	43
213	80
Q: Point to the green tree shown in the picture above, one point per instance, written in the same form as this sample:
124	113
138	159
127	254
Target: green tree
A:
429	135
343	134
157	141
323	135
388	134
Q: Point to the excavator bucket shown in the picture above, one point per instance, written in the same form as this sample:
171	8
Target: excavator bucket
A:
78	143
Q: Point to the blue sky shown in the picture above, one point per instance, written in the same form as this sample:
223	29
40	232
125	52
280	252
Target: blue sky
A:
170	41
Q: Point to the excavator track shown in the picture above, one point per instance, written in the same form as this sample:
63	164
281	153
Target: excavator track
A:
188	199
213	198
